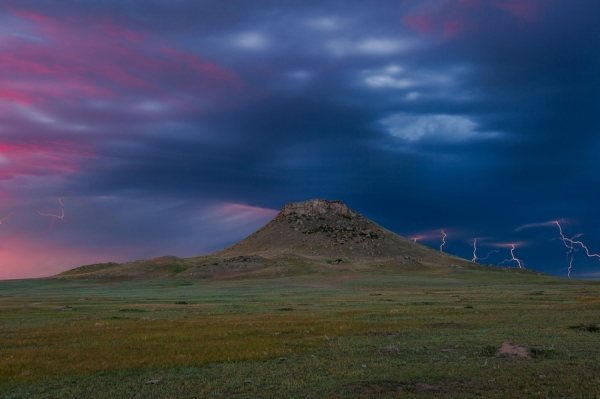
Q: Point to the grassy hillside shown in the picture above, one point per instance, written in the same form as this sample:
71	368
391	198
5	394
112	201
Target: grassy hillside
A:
371	330
332	237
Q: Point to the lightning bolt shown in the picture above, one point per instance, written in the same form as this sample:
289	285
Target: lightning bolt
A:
570	244
489	253
513	258
417	238
56	217
475	258
9	215
444	235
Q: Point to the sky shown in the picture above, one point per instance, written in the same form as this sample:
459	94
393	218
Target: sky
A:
136	129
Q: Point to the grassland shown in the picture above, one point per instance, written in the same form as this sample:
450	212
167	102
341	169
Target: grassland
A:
375	332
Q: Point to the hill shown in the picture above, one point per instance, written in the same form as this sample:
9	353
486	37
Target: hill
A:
305	237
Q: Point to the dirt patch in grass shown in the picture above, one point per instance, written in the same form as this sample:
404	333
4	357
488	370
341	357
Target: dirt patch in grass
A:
509	349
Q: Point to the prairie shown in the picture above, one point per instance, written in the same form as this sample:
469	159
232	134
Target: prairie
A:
375	331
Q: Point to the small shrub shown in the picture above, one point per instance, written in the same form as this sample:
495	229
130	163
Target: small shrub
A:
543	352
594	327
176	270
489	350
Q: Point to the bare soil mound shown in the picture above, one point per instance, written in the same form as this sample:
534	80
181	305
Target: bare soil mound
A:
512	350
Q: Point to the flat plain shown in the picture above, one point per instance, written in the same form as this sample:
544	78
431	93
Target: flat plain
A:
377	330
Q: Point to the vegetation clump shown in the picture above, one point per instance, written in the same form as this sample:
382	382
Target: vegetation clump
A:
489	350
594	327
548	353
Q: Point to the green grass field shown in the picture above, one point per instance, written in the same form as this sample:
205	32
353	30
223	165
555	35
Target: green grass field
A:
375	332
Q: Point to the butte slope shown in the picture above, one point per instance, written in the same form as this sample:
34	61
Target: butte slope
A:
304	238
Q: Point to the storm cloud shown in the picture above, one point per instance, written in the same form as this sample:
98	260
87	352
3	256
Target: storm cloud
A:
181	127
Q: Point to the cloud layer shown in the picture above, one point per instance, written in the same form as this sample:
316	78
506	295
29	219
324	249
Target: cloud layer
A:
179	128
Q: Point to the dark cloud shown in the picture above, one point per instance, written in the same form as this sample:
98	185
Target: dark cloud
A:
159	123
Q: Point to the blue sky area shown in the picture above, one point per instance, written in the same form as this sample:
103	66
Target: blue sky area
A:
134	129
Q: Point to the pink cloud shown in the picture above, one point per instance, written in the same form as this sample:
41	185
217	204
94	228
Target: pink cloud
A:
523	9
195	65
451	27
420	23
450	18
28	92
427	236
29	15
56	159
109	27
23	63
244	213
551	223
15	96
98	60
516	244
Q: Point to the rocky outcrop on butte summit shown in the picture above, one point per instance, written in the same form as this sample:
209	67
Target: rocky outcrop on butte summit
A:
317	208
